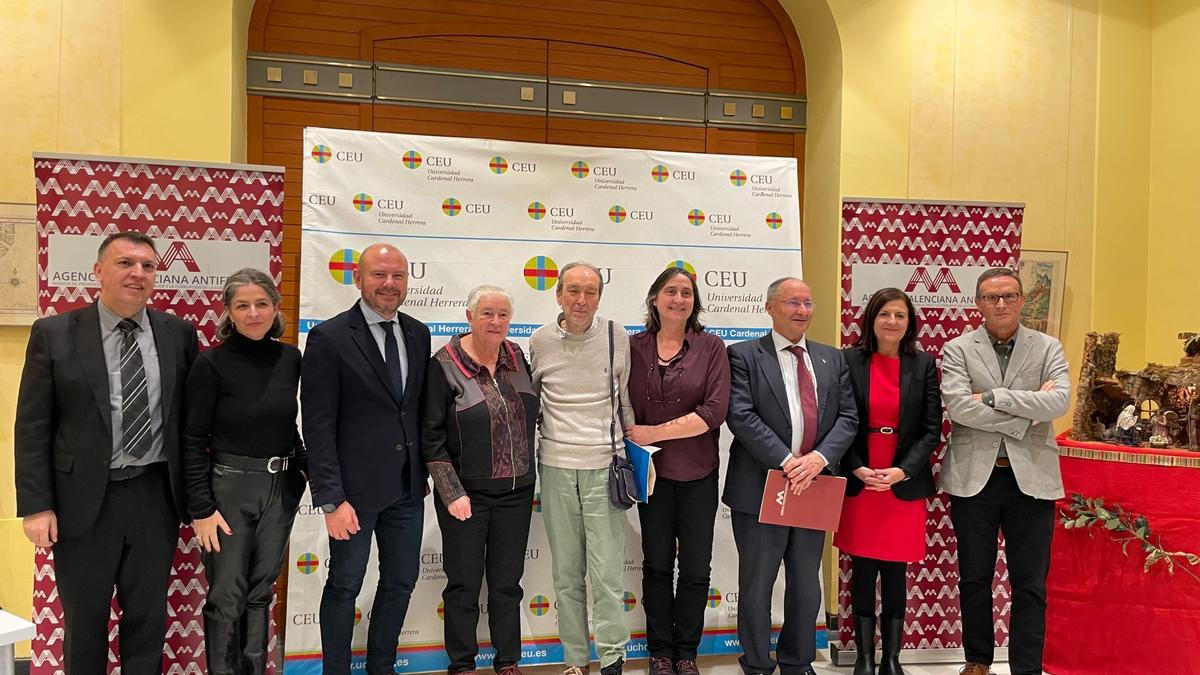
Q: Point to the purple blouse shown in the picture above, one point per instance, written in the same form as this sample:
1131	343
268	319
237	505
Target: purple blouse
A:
697	380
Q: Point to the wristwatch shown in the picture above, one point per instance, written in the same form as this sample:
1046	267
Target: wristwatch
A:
329	508
988	399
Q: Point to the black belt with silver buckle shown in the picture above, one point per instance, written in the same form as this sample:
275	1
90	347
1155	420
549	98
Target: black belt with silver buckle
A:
259	464
881	430
129	472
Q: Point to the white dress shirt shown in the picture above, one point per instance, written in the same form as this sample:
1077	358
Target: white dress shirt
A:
377	328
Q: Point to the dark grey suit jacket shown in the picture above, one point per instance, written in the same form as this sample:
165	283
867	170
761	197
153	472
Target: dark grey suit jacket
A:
762	424
63	433
359	436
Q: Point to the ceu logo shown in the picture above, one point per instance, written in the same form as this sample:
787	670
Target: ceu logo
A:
580	169
629	602
363	202
683	265
537	502
738	177
714	597
412	159
774	220
357	616
536	210
696	217
441	611
617	213
539	605
659	173
498	164
321	154
541	273
342	265
308	563
451	207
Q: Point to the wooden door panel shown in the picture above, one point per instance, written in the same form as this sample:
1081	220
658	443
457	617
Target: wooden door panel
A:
568	60
468	52
573	131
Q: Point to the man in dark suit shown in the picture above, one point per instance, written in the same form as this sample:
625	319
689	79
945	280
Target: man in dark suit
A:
361	387
791	408
97	456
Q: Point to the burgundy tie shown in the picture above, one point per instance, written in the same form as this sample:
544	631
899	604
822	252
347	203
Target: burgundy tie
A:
808	400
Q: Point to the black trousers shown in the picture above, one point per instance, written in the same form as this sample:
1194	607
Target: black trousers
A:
490	543
131	546
761	550
892	586
683	512
397	530
259	507
1027	524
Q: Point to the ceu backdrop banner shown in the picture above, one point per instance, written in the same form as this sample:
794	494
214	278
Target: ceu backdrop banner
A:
208	220
468	212
935	252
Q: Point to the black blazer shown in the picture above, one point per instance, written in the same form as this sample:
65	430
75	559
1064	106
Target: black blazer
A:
762	424
63	433
920	427
359	436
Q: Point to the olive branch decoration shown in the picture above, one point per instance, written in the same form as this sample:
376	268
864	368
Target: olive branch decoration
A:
1086	512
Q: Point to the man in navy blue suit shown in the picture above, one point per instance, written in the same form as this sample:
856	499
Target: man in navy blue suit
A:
791	407
361	387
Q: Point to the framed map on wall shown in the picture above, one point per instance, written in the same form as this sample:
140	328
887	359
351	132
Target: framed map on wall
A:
1044	279
18	264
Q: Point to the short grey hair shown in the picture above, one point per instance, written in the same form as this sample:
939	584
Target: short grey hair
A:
579	263
248	276
485	291
773	289
998	272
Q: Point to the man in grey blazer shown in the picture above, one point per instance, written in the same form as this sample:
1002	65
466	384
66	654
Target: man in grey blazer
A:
1003	385
791	407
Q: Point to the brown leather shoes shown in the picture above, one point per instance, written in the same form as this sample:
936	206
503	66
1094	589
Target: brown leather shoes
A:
975	669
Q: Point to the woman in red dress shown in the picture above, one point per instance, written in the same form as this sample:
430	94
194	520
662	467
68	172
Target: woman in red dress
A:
887	471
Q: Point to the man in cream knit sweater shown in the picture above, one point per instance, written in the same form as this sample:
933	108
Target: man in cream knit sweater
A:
580	424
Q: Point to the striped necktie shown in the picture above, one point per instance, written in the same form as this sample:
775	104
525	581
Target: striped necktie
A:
135	400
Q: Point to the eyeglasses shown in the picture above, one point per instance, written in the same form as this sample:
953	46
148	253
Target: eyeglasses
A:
794	305
1008	298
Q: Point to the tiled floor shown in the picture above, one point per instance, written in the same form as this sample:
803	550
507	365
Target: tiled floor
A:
727	665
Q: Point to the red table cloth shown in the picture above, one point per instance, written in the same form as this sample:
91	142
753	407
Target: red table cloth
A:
1105	615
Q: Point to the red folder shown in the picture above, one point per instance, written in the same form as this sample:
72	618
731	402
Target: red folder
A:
819	507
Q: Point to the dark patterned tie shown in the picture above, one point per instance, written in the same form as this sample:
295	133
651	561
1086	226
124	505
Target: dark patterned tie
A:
135	400
808	400
391	355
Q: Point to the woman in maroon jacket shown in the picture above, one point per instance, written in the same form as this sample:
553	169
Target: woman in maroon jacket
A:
477	437
679	388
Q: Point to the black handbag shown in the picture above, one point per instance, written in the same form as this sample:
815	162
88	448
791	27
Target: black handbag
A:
622	486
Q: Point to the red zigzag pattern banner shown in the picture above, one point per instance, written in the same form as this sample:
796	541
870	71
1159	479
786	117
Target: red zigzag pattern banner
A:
934	252
208	220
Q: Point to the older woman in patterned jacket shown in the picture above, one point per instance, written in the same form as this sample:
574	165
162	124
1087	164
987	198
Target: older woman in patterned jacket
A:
477	437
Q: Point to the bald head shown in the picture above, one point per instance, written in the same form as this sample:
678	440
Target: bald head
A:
382	278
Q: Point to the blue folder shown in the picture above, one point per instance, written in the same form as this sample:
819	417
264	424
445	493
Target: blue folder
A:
643	468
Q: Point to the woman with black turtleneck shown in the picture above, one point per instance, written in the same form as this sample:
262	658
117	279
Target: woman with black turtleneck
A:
244	467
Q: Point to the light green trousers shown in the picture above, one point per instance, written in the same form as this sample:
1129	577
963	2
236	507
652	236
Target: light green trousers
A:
587	541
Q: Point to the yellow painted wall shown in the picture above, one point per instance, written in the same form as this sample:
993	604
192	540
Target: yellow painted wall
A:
1172	301
1123	177
979	100
142	78
1082	109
